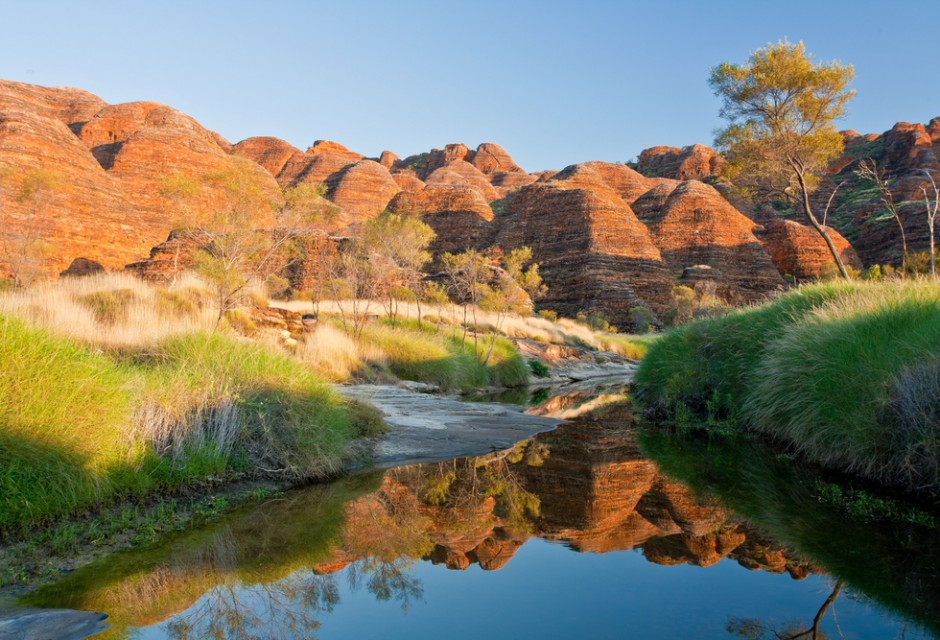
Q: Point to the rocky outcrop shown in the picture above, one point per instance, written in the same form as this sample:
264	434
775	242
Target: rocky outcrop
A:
459	215
908	147
799	251
491	158
695	162
388	159
595	254
82	267
312	169
329	147
170	258
72	107
363	190
271	153
461	173
696	226
505	182
608	179
408	181
143	143
903	153
80	211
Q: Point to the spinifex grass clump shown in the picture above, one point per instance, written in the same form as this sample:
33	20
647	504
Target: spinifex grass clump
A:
846	374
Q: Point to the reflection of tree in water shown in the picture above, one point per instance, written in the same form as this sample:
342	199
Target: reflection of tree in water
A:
460	489
387	581
290	607
754	629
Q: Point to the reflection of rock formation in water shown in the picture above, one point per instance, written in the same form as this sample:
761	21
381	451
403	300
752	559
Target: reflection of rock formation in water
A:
586	484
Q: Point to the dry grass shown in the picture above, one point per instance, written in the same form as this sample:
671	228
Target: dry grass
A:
562	331
113	310
336	356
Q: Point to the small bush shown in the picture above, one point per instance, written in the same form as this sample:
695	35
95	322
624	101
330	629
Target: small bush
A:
642	319
539	370
174	305
108	307
277	287
548	314
241	322
596	320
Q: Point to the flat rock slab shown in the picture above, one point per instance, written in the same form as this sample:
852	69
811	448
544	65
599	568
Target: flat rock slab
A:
428	428
50	624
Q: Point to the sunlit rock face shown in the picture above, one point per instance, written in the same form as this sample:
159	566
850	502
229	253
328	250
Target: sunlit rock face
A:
798	250
459	215
695	162
696	226
141	144
83	212
363	190
609	238
595	254
271	153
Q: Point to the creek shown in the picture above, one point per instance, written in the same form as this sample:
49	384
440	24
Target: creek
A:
596	529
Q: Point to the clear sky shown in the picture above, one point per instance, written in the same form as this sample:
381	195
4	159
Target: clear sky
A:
554	82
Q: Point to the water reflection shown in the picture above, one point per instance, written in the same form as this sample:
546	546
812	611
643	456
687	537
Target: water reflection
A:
284	567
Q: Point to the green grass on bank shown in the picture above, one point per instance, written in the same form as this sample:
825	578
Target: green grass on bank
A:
848	374
443	357
80	427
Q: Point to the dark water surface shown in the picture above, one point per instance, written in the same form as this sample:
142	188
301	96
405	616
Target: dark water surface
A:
576	533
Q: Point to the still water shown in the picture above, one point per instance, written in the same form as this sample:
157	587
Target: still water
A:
594	530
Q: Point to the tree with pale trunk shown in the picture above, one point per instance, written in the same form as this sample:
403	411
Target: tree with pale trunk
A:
932	208
780	137
397	244
869	171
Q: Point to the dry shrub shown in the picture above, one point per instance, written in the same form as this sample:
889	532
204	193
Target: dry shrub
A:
915	424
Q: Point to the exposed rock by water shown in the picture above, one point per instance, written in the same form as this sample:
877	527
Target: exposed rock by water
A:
50	624
426	427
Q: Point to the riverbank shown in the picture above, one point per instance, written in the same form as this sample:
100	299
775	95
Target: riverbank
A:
847	375
117	392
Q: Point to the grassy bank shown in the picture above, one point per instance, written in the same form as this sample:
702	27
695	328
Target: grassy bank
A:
562	331
80	427
847	374
113	389
426	353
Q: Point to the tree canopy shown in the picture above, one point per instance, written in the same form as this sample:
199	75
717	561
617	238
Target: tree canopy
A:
781	107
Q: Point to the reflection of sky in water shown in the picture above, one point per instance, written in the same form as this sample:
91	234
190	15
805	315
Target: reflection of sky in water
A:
548	591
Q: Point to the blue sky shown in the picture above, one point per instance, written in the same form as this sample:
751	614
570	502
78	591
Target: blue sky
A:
553	82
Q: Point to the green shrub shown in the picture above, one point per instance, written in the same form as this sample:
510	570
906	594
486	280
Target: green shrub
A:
174	305
642	319
277	287
539	370
443	357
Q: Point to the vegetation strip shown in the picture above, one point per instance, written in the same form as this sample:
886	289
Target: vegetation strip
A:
846	374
